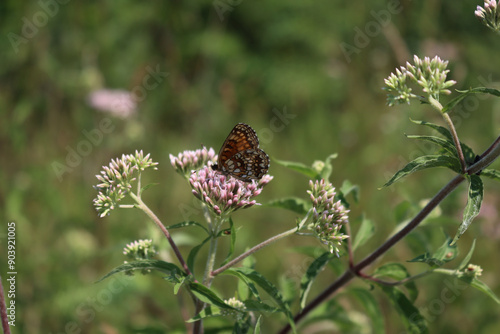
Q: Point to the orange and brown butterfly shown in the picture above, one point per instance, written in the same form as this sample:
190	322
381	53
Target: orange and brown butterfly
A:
240	155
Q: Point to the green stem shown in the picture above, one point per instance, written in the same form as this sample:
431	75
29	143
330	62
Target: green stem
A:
435	103
212	251
253	250
141	205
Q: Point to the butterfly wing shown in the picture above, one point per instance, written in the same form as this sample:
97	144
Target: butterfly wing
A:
247	165
240	155
242	137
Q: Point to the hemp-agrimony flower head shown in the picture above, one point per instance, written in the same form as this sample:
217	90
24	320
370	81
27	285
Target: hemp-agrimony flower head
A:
489	15
237	304
140	250
328	215
188	161
225	194
472	270
429	74
116	180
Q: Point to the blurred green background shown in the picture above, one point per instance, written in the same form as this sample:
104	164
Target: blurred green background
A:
224	62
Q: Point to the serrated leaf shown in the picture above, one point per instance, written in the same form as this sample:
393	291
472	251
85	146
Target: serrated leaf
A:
412	319
447	145
474	200
174	272
464	93
372	308
185	224
439	129
300	168
208	296
398	272
469	154
365	232
424	162
295	204
192	254
314	269
491	173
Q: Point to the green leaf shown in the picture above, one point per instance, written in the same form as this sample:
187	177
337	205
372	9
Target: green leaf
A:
365	232
469	154
474	200
232	230
174	273
447	145
146	187
491	173
477	284
440	129
243	278
300	168
327	168
208	312
187	223
467	258
444	254
295	204
257	306
424	162
206	295
372	308
269	288
398	272
348	188
256	329
192	254
464	93
314	269
412	319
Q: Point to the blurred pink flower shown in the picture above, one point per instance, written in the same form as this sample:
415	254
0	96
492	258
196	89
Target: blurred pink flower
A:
117	102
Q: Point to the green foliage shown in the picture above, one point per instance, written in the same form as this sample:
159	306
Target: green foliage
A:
474	200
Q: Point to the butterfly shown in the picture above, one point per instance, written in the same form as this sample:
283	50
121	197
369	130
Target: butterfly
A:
240	155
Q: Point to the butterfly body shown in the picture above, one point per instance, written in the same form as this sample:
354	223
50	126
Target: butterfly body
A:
240	155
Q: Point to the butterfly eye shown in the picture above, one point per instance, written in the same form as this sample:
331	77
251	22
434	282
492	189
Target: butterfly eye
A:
240	155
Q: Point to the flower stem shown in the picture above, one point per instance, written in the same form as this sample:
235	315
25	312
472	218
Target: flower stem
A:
253	250
212	251
435	103
141	205
454	135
